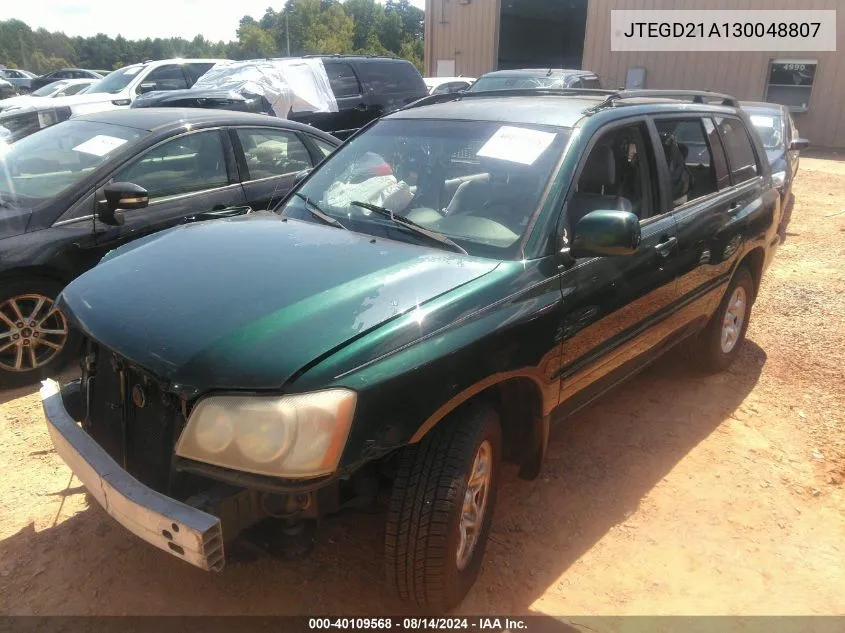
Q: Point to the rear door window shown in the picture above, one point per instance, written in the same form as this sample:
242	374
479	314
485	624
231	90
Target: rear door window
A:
740	153
168	77
270	152
693	158
392	77
343	80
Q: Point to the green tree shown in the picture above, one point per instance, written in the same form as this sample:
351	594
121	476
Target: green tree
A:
315	26
255	42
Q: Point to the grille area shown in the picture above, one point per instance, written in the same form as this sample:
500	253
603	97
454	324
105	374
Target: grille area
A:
132	418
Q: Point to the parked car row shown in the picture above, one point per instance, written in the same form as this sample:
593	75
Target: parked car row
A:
59	88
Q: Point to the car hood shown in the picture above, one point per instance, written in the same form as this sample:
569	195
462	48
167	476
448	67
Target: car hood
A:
247	303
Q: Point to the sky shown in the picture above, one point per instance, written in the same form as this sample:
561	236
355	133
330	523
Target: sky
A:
214	19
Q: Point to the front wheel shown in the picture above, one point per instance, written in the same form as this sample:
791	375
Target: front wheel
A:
35	340
721	341
441	509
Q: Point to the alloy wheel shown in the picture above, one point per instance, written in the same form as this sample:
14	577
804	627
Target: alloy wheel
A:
32	332
475	503
734	319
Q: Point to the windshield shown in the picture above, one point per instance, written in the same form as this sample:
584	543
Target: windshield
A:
46	91
770	128
43	165
517	83
116	81
476	182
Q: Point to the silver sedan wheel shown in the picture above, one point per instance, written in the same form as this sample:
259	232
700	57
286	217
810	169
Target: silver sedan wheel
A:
475	503
32	332
734	319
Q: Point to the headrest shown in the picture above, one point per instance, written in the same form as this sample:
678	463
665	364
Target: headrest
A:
599	171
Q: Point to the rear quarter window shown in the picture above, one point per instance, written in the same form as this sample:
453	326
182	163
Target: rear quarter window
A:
392	77
197	70
742	160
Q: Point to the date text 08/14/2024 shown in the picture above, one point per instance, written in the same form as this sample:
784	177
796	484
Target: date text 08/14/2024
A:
417	624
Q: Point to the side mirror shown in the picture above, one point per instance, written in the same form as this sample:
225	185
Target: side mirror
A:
799	144
300	176
146	87
121	196
601	233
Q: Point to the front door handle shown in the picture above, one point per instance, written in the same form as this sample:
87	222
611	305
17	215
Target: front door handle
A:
361	107
664	248
736	205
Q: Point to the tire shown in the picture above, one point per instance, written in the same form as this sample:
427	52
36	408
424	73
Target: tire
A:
423	559
20	343
710	351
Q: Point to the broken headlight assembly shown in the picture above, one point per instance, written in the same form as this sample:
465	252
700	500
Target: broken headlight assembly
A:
295	437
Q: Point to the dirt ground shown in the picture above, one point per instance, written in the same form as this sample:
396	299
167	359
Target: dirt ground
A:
676	494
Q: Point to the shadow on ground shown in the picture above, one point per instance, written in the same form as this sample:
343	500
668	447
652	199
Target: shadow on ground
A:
7	395
601	465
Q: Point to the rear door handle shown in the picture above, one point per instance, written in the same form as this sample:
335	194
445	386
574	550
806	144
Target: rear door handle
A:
665	247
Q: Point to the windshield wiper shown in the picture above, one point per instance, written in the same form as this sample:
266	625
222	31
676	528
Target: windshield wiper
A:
318	213
411	226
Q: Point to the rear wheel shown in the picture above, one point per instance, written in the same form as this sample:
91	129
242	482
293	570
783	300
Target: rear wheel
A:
441	509
35	339
720	342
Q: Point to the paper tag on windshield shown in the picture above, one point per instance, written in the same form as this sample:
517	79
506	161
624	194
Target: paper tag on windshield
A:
100	145
762	121
517	145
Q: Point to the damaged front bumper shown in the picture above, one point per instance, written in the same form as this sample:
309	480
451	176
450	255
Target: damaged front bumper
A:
179	529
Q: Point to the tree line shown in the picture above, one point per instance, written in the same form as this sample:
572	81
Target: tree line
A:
301	27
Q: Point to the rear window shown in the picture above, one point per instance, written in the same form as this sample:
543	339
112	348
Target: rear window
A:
393	77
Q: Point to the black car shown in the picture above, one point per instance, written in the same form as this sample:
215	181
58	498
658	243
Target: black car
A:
526	78
61	187
63	73
365	89
468	271
783	144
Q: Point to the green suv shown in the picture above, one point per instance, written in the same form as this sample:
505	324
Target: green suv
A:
420	309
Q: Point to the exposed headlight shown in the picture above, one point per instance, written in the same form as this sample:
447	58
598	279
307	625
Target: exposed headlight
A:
779	178
297	436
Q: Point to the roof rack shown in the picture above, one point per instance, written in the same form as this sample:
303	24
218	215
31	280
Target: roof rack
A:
347	55
693	96
510	92
612	97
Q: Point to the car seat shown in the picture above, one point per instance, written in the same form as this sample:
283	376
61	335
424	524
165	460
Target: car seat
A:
597	187
679	175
